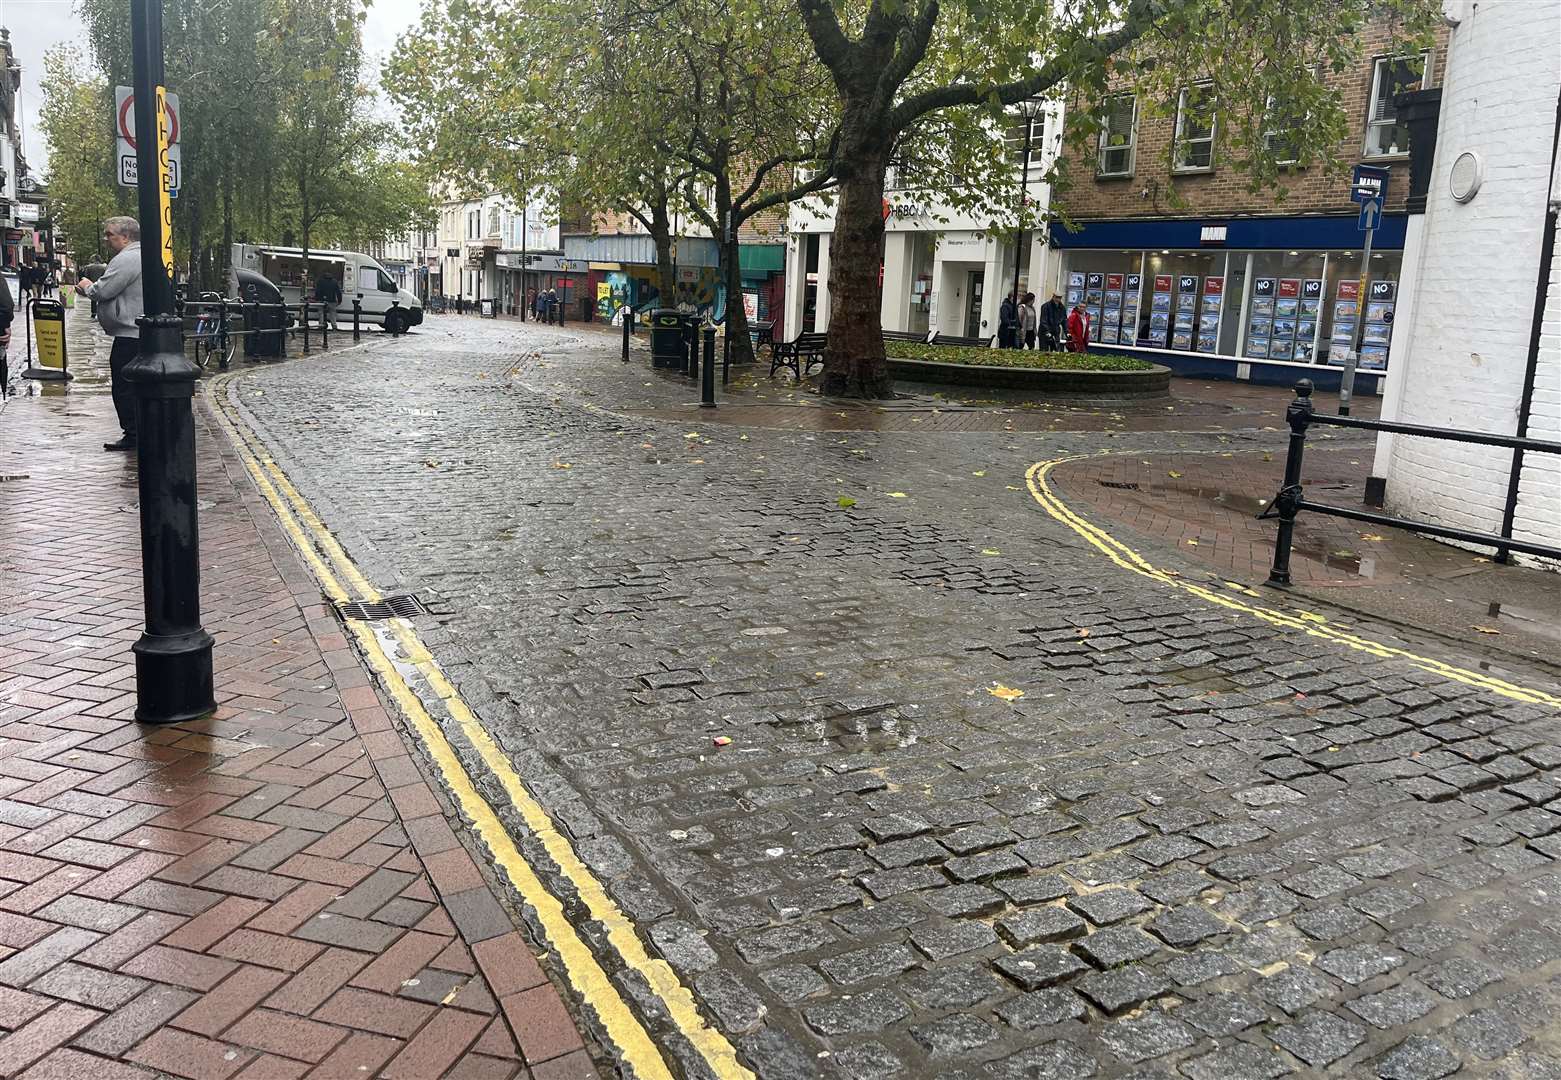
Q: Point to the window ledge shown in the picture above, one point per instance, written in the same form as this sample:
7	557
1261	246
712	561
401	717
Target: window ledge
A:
1193	170
1113	176
1402	155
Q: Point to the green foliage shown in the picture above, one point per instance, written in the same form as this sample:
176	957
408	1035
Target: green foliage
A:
275	134
82	191
1014	358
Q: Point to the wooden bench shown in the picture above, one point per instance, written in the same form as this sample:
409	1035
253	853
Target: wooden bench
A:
907	335
973	342
799	354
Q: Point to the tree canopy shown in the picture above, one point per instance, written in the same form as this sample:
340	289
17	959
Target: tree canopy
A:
277	134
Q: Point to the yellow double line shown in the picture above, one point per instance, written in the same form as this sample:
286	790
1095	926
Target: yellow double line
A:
1305	622
341	579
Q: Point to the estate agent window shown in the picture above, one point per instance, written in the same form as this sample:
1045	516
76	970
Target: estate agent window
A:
1117	135
1391	76
1195	129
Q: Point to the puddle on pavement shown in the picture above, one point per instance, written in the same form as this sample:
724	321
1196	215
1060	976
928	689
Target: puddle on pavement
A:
873	731
1338	561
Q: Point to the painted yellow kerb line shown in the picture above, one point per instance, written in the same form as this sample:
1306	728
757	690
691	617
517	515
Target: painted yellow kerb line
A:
1306	622
326	557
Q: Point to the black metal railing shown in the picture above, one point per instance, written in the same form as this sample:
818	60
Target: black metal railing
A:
1291	499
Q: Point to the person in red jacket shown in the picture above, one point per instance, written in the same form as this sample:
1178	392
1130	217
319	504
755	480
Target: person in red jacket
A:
1078	329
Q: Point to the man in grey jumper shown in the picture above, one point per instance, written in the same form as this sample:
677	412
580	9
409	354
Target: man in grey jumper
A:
120	304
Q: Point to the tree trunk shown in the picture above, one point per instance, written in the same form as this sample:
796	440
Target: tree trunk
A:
854	361
736	315
661	233
225	256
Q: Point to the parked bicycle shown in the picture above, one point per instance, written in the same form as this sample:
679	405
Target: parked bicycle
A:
212	336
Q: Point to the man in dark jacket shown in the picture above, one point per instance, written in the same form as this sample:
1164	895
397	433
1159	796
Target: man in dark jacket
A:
1054	323
327	290
1007	322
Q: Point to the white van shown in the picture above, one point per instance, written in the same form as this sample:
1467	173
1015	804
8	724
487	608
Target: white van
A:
382	302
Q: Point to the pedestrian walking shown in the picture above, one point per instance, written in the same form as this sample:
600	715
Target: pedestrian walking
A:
7	315
327	290
118	301
1078	329
1028	321
1054	323
1007	322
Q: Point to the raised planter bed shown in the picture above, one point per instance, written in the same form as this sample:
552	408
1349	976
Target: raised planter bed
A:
1152	380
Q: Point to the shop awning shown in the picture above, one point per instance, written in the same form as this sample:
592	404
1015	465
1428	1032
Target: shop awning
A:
762	258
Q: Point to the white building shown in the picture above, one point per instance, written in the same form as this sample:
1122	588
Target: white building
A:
490	249
944	270
409	258
1470	354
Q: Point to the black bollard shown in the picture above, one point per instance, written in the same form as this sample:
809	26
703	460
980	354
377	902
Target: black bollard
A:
707	379
628	330
222	333
357	318
1288	502
325	328
305	309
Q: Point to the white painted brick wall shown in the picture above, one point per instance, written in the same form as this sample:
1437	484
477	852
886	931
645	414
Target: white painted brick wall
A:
1539	494
1474	301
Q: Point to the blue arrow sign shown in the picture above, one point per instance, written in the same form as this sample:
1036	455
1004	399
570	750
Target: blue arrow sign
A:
1370	214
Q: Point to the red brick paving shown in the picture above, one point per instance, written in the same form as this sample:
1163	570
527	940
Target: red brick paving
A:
257	895
1205	506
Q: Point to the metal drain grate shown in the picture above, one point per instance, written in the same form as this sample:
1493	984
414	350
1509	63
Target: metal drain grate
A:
1118	485
7	477
392	607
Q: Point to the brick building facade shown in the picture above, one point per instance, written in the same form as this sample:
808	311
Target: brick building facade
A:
1176	257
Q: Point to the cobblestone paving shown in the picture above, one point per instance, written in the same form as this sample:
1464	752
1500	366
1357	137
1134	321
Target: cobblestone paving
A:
1196	845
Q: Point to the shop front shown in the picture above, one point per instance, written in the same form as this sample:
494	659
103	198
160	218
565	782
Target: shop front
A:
1260	299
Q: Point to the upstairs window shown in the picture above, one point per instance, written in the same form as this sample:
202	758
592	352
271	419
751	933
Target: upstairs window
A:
1118	131
1391	76
1194	151
1281	131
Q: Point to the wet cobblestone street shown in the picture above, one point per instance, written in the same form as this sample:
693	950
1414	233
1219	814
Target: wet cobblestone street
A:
901	775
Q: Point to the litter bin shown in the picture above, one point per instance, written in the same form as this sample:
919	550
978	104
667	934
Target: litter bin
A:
668	338
270	318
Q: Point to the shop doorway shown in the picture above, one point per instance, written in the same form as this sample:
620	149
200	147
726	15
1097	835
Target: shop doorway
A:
975	284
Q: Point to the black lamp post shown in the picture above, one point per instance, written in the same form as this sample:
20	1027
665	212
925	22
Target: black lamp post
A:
1030	108
173	654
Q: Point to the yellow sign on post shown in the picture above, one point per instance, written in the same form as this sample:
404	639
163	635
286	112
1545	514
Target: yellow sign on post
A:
165	204
48	319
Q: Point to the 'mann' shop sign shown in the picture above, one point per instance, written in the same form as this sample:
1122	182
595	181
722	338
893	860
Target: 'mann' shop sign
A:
1212	235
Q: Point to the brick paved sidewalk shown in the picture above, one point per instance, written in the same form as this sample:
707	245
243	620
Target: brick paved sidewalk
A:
1205	506
275	892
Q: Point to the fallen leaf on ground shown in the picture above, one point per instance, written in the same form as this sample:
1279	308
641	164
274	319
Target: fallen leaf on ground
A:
990	551
845	502
1487	630
896	494
1174	475
742	438
722	740
1007	693
562	465
1371	536
691	435
979	472
1083	631
1267	456
1192	543
431	463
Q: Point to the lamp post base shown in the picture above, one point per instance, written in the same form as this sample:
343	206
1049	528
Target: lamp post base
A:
173	678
